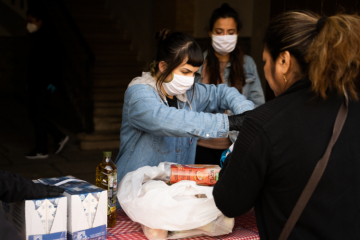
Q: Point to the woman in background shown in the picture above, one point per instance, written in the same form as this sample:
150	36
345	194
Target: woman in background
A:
226	63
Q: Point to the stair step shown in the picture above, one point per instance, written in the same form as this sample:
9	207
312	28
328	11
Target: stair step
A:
93	15
107	123
115	57
100	145
107	112
111	97
116	76
122	63
107	35
99	28
84	2
104	21
111	83
99	136
110	90
116	69
98	104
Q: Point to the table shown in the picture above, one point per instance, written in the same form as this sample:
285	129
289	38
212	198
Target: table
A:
244	229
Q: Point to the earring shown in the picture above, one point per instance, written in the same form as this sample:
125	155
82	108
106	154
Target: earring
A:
172	78
285	78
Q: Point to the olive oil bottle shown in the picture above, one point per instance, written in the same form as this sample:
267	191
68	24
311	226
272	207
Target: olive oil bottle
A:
106	178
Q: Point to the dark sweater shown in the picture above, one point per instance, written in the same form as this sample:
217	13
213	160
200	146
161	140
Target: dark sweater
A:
14	187
274	156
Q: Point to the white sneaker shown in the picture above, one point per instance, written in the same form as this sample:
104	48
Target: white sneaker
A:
62	144
36	155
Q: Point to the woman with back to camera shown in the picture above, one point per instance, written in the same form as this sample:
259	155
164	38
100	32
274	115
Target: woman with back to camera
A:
163	109
226	63
311	64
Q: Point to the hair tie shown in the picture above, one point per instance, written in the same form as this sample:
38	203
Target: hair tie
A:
320	23
152	68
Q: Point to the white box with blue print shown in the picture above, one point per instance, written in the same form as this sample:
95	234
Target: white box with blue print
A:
40	219
87	208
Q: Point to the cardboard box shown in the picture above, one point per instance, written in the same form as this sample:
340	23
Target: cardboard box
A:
40	219
87	208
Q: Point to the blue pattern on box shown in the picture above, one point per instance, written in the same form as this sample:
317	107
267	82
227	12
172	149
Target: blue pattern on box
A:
51	236
73	188
97	233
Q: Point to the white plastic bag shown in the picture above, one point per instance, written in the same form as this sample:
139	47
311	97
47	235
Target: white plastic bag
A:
159	206
222	225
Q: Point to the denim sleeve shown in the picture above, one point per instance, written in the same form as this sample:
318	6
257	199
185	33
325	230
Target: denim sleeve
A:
148	114
214	99
256	92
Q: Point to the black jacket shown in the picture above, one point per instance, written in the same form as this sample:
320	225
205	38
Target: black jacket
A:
274	156
14	187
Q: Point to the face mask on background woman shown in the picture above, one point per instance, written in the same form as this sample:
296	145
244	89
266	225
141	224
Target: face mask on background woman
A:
224	44
31	27
178	85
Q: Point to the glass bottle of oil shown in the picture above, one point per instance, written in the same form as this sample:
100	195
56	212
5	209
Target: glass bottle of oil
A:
106	178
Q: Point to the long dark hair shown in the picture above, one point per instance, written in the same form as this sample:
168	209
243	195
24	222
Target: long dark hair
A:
326	49
173	49
237	74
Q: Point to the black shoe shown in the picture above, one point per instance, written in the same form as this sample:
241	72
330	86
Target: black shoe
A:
61	144
37	155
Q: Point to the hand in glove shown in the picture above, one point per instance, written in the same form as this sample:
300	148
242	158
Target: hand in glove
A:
53	191
236	121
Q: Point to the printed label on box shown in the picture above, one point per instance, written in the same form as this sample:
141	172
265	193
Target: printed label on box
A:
52	236
98	233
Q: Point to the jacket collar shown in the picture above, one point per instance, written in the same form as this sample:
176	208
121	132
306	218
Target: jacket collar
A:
298	85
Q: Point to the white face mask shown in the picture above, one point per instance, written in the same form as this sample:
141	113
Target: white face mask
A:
31	27
224	44
179	85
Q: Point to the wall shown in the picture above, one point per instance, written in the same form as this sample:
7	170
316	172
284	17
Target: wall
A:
204	8
136	18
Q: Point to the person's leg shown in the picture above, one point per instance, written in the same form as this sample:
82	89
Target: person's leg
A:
37	116
208	155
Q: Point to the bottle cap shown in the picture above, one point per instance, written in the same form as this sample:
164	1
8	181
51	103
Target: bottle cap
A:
107	154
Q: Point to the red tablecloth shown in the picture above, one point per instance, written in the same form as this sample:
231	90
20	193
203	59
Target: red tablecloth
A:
245	229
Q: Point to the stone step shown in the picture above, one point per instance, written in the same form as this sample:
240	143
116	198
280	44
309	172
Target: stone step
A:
104	21
108	35
110	90
116	57
82	3
99	28
99	136
111	83
101	14
98	104
119	63
107	124
107	112
108	96
115	76
107	53
99	145
120	69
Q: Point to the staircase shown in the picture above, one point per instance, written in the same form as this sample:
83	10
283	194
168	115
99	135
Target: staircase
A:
115	66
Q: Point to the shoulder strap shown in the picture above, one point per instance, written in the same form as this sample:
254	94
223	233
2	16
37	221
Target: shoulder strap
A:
316	175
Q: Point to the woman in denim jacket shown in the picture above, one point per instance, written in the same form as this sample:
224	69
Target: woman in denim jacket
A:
226	63
163	113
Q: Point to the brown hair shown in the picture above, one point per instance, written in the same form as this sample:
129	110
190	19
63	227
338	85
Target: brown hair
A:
328	51
236	75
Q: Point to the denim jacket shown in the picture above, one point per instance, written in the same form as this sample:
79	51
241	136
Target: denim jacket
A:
152	132
252	89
